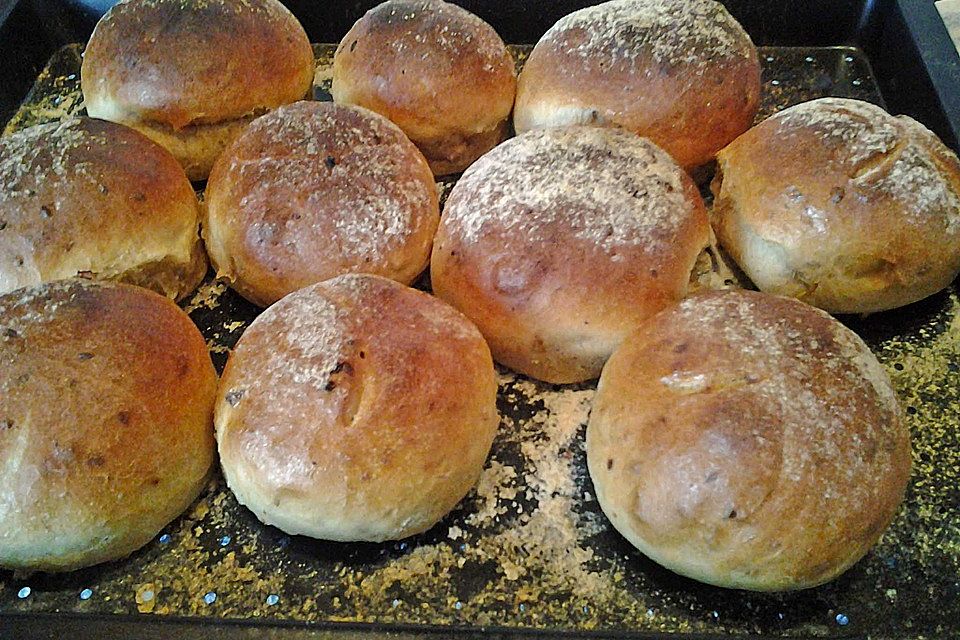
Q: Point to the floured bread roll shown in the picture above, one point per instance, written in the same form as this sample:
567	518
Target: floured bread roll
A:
314	190
559	242
356	409
748	441
438	71
682	73
841	205
106	411
96	199
191	74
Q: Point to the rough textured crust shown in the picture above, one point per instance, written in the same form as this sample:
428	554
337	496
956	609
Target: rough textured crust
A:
438	71
176	65
842	205
106	403
93	198
748	441
313	190
683	74
356	409
560	241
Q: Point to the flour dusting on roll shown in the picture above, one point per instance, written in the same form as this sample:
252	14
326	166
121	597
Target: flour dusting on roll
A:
438	71
748	441
85	197
683	74
314	190
842	205
356	409
560	241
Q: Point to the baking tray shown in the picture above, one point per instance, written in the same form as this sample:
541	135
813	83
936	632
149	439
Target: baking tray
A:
528	552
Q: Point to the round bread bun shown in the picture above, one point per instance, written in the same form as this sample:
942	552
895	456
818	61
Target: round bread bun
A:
97	199
559	242
106	405
191	74
748	441
438	71
356	409
314	190
683	74
841	205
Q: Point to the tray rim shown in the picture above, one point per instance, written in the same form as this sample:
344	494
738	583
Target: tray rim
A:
102	625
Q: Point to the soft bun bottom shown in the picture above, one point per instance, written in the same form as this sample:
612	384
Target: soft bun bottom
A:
168	276
196	146
451	153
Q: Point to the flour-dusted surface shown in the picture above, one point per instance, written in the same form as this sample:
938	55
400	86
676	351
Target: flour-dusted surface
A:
621	32
534	186
218	562
315	189
449	30
890	154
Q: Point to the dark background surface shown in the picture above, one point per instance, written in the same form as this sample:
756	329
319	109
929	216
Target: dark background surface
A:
911	54
908	46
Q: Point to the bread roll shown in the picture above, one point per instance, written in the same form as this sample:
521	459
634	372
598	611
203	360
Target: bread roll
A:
438	71
93	198
683	74
748	441
356	409
191	74
106	404
314	190
560	241
841	205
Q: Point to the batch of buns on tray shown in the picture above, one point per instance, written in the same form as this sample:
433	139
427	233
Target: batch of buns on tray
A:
741	438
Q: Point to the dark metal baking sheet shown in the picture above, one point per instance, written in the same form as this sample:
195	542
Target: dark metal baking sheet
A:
529	549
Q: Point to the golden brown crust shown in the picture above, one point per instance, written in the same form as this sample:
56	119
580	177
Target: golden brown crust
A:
183	62
356	409
313	190
196	147
439	72
683	74
560	241
105	429
94	198
748	441
842	205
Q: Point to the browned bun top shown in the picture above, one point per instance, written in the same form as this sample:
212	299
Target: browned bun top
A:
313	190
438	71
748	441
559	241
184	62
682	73
842	205
89	197
106	402
356	409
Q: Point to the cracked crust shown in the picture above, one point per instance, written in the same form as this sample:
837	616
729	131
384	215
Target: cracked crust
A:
841	205
748	441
